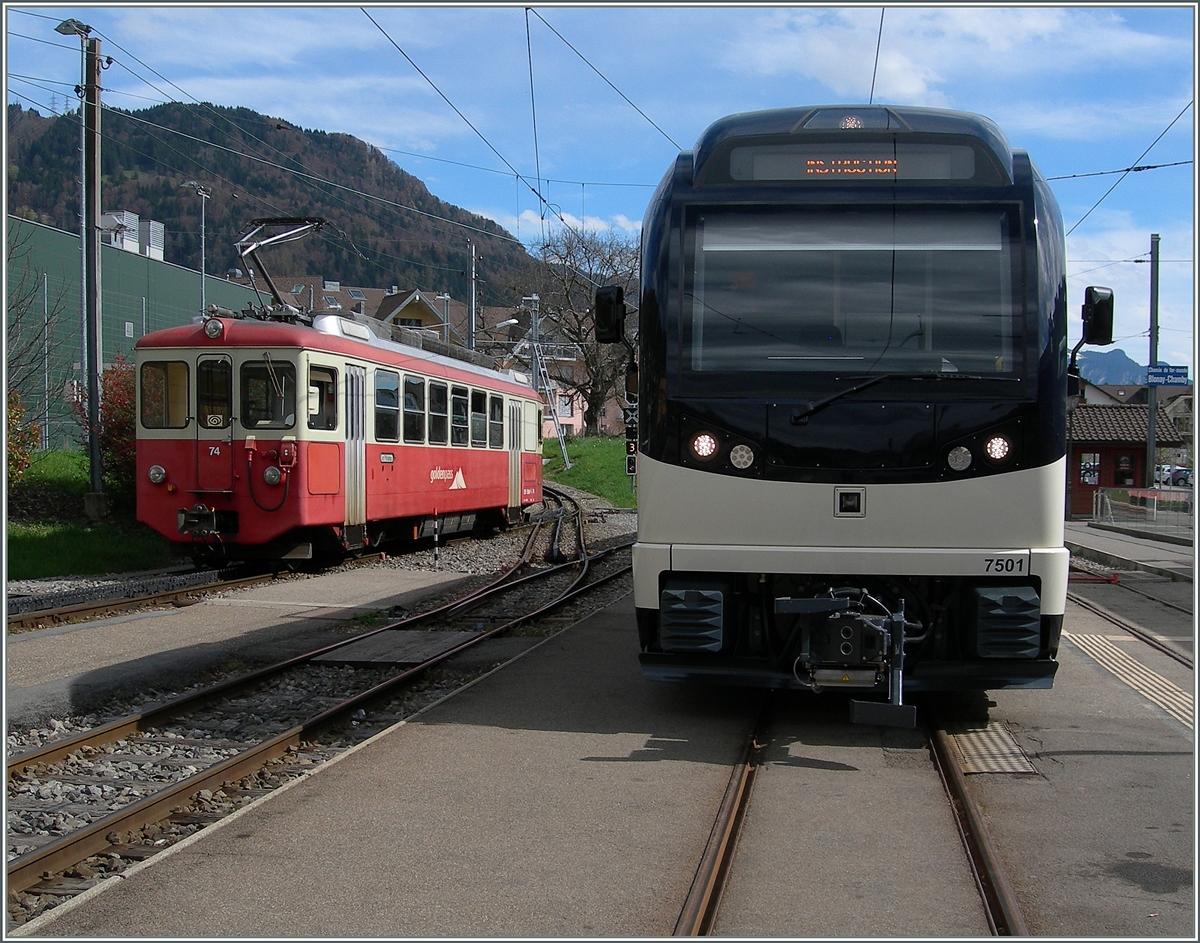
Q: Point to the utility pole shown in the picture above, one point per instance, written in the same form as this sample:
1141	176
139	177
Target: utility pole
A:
1152	398
73	27
471	309
204	193
96	502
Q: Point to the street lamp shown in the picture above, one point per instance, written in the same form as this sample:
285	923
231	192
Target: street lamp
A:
204	194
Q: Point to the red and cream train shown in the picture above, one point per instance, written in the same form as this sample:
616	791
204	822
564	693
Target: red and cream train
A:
267	439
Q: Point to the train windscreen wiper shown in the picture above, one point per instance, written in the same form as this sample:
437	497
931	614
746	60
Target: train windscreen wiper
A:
800	415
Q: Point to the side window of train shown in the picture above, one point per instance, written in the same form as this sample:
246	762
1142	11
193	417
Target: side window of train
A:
268	394
496	422
387	406
414	410
458	415
479	418
439	413
164	391
322	398
214	393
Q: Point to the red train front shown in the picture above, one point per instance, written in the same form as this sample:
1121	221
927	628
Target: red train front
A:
261	439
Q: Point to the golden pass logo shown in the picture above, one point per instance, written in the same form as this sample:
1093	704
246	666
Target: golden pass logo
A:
457	482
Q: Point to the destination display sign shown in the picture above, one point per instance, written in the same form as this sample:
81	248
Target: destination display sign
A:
1161	374
862	161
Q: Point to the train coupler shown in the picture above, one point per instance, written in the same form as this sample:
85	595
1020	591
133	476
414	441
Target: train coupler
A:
893	712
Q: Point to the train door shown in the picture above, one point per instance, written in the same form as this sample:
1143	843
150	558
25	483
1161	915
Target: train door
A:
214	425
356	453
514	453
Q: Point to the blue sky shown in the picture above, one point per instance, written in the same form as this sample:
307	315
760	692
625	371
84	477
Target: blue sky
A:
1083	89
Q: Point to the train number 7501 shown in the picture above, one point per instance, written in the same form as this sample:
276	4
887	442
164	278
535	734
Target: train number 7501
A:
1003	565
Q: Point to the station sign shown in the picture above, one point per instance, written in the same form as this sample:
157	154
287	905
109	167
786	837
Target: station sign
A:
1162	374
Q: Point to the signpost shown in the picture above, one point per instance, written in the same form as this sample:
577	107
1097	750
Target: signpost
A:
1162	374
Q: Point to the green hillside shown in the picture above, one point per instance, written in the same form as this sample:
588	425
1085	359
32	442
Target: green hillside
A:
246	159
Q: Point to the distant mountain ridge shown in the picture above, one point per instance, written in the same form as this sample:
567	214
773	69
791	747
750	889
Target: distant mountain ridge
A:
1111	368
370	240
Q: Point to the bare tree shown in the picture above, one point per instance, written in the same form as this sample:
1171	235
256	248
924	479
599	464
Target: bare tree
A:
572	265
34	347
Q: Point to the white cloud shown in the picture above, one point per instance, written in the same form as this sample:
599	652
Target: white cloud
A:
924	52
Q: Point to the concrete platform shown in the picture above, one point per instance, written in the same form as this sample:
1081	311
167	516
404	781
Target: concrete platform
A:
1101	842
1123	551
67	669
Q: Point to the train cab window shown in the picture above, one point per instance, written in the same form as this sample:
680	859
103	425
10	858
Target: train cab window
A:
164	392
322	398
539	427
458	416
479	418
439	416
214	393
414	410
268	394
496	422
387	406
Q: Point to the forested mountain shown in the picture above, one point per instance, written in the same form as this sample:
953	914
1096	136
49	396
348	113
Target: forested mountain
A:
241	157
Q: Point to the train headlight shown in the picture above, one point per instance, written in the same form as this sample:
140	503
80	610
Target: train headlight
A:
959	458
741	457
704	445
213	328
997	448
157	474
272	475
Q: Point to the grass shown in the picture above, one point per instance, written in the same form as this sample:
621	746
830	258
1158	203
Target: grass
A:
48	534
597	466
61	548
62	470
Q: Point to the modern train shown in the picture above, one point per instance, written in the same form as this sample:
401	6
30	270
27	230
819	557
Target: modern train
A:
271	436
852	386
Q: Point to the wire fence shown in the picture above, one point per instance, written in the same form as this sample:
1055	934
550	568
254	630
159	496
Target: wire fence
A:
1168	511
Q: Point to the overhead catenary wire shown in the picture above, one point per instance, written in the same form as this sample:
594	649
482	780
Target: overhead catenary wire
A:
529	10
535	190
1123	170
1126	173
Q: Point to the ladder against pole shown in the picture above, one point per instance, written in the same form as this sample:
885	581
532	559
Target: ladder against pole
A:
544	381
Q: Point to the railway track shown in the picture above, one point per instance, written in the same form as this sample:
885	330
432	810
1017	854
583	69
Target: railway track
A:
116	789
698	915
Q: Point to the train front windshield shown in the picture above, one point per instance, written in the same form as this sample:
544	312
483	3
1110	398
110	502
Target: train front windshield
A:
841	291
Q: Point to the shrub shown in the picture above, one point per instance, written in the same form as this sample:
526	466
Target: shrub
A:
22	439
118	425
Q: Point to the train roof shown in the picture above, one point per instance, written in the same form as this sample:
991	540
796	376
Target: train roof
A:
852	120
330	333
